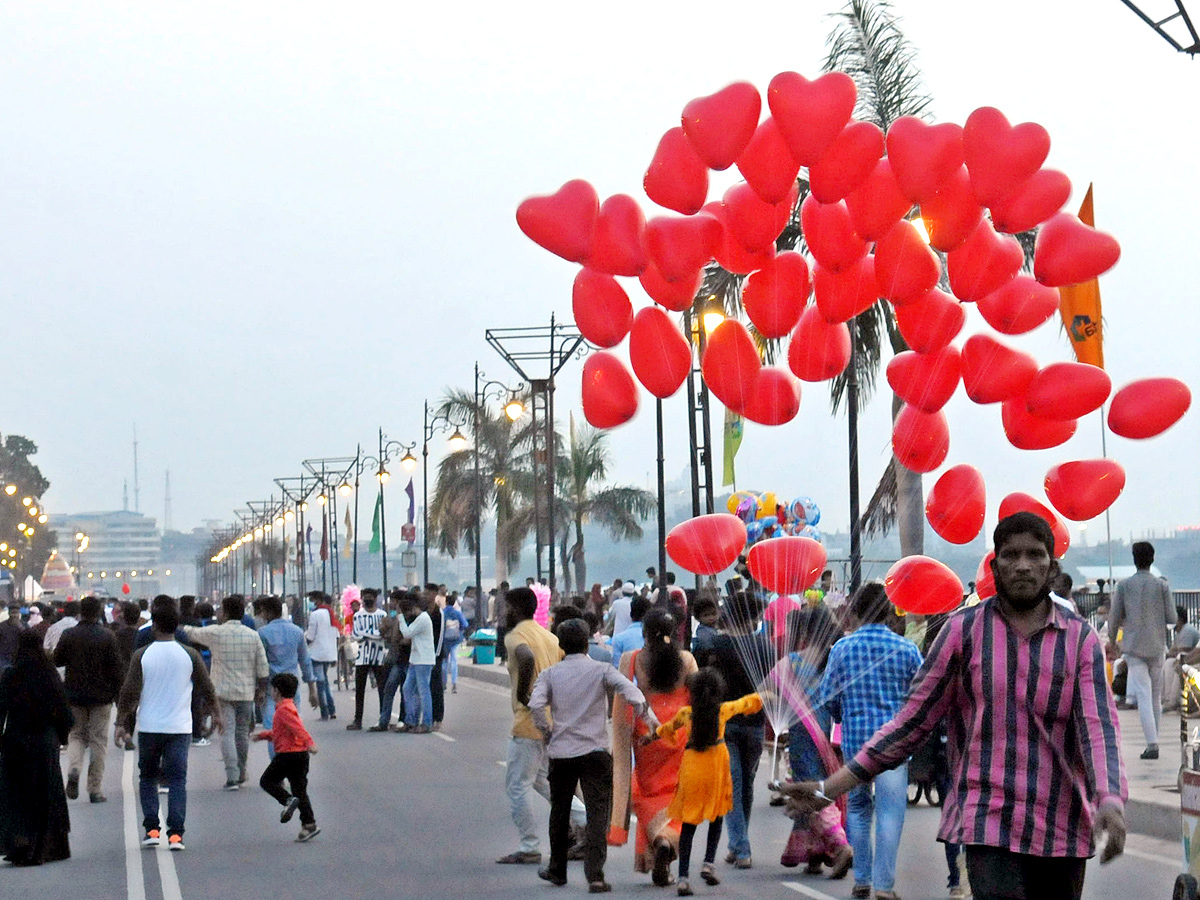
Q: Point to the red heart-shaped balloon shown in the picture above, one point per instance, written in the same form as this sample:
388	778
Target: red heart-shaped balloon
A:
841	296
923	156
930	323
730	254
1026	431
660	354
984	263
564	222
950	213
774	397
905	267
985	581
707	545
730	364
830	234
1084	488
1019	501
1019	306
926	381
992	372
774	296
1001	157
923	586
811	114
753	223
846	162
878	203
677	177
610	397
602	309
721	124
1069	252
681	245
957	504
619	241
920	440
818	350
767	163
1034	202
674	295
1148	407
1067	391
787	565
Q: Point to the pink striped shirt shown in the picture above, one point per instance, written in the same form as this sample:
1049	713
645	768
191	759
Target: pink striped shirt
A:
1034	741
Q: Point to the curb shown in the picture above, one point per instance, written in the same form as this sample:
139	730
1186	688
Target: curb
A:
497	675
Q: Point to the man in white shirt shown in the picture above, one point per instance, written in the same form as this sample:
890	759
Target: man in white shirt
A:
618	612
70	618
1060	592
416	625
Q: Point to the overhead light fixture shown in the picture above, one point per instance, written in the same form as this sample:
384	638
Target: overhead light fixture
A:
345	489
408	461
457	441
383	475
514	409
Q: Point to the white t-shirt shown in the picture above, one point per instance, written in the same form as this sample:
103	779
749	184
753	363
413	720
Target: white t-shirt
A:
166	704
322	636
620	613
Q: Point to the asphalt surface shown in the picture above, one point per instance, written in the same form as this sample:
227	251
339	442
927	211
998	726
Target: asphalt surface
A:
423	816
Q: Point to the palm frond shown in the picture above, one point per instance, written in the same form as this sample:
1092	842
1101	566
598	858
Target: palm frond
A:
881	511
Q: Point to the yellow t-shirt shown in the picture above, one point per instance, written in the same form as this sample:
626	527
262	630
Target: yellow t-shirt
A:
546	652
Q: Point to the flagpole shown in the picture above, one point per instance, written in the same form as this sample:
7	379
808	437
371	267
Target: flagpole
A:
382	518
1107	520
354	542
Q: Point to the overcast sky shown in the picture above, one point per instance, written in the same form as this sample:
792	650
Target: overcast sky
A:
259	231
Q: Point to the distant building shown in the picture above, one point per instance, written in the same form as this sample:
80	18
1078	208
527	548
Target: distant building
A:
122	548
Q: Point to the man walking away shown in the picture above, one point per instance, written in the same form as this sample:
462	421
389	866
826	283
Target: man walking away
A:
157	695
417	625
92	659
371	652
1143	607
10	632
287	651
322	635
70	618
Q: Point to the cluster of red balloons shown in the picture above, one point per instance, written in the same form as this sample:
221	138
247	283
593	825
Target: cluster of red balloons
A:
974	186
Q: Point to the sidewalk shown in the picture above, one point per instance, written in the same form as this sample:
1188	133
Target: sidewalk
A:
1153	807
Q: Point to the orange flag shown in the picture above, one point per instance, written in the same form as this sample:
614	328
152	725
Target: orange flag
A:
1079	305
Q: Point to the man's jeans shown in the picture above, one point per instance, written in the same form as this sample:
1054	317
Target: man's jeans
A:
1144	686
887	807
90	731
395	679
324	694
528	770
163	756
418	702
238	716
745	744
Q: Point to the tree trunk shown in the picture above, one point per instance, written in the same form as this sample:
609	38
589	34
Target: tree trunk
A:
580	560
910	502
501	555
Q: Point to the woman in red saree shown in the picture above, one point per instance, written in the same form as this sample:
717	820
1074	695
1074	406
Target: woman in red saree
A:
661	670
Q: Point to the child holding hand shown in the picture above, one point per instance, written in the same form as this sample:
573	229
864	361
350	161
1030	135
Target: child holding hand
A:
293	746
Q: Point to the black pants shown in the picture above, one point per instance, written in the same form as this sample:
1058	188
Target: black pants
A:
361	674
687	834
437	691
1002	875
293	768
592	772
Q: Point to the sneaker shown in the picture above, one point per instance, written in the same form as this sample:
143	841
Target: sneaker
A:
353	726
73	786
684	889
709	875
378	728
152	838
97	798
232	786
661	873
743	862
599	887
841	862
163	789
437	726
886	895
289	809
861	892
175	842
201	742
731	857
556	880
958	892
521	858
307	833
454	690
242	775
1148	753
398	728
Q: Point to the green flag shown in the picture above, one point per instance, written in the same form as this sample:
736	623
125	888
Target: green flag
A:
376	525
733	440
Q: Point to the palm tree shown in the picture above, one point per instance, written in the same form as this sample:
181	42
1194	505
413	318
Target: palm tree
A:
618	510
504	484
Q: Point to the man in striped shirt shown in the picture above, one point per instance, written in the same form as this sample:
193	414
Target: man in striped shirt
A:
1034	754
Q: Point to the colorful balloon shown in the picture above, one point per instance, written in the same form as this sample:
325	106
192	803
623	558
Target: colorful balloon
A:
768	165
830	234
847	162
951	213
992	372
677	177
707	545
931	322
818	350
1146	408
774	296
840	296
730	364
923	156
878	203
563	222
923	586
1067	390
610	397
674	295
811	114
660	354
1019	306
1026	431
1069	252
1034	202
905	268
679	246
957	504
736	499
925	380
787	565
602	308
619	241
1084	488
805	510
1001	157
1021	502
920	440
720	125
984	263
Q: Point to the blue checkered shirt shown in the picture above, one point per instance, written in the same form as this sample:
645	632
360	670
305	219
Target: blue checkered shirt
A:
867	680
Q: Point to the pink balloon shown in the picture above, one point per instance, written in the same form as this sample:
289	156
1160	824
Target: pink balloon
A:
951	213
774	296
924	380
984	263
818	350
1067	390
720	125
877	204
1000	156
830	234
619	241
811	114
840	296
905	267
923	586
1034	202
774	397
847	162
1069	252
1084	488
563	222
920	440
992	372
679	246
677	177
1146	408
923	156
707	545
602	308
609	395
1019	306
660	355
787	565
768	165
957	505
930	323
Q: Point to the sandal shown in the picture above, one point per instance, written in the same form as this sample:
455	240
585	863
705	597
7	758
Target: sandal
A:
709	875
684	889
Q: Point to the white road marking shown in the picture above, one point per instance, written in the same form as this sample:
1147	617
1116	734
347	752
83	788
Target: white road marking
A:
807	891
166	861
445	737
1153	857
135	885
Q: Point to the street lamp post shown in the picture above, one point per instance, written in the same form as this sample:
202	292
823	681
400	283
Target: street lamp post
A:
386	449
441	421
482	394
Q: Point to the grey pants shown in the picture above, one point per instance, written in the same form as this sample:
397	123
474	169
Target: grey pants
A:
238	716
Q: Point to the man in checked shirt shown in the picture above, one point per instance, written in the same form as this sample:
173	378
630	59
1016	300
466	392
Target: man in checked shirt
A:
1035	765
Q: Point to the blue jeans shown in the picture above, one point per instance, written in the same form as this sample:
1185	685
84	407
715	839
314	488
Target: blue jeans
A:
324	694
887	807
745	744
526	771
268	719
416	691
450	665
395	678
165	756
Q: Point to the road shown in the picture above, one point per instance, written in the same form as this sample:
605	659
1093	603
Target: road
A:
408	816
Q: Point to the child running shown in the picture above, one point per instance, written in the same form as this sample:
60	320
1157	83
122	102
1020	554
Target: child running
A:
293	744
704	792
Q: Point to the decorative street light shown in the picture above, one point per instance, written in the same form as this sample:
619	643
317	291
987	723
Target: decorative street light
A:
387	448
1192	39
440	422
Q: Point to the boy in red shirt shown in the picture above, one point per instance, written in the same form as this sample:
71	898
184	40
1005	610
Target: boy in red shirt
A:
293	744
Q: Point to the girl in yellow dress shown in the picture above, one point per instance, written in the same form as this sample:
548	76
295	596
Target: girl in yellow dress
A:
704	792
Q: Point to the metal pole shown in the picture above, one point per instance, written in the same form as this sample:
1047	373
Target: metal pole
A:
1107	520
357	474
693	457
382	519
707	425
537	509
551	462
425	495
852	419
662	507
478	498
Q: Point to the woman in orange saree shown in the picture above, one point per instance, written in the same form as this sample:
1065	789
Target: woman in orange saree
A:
644	775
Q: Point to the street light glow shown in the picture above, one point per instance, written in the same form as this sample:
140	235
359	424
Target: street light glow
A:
10	489
383	475
345	489
408	461
514	409
25	501
457	441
